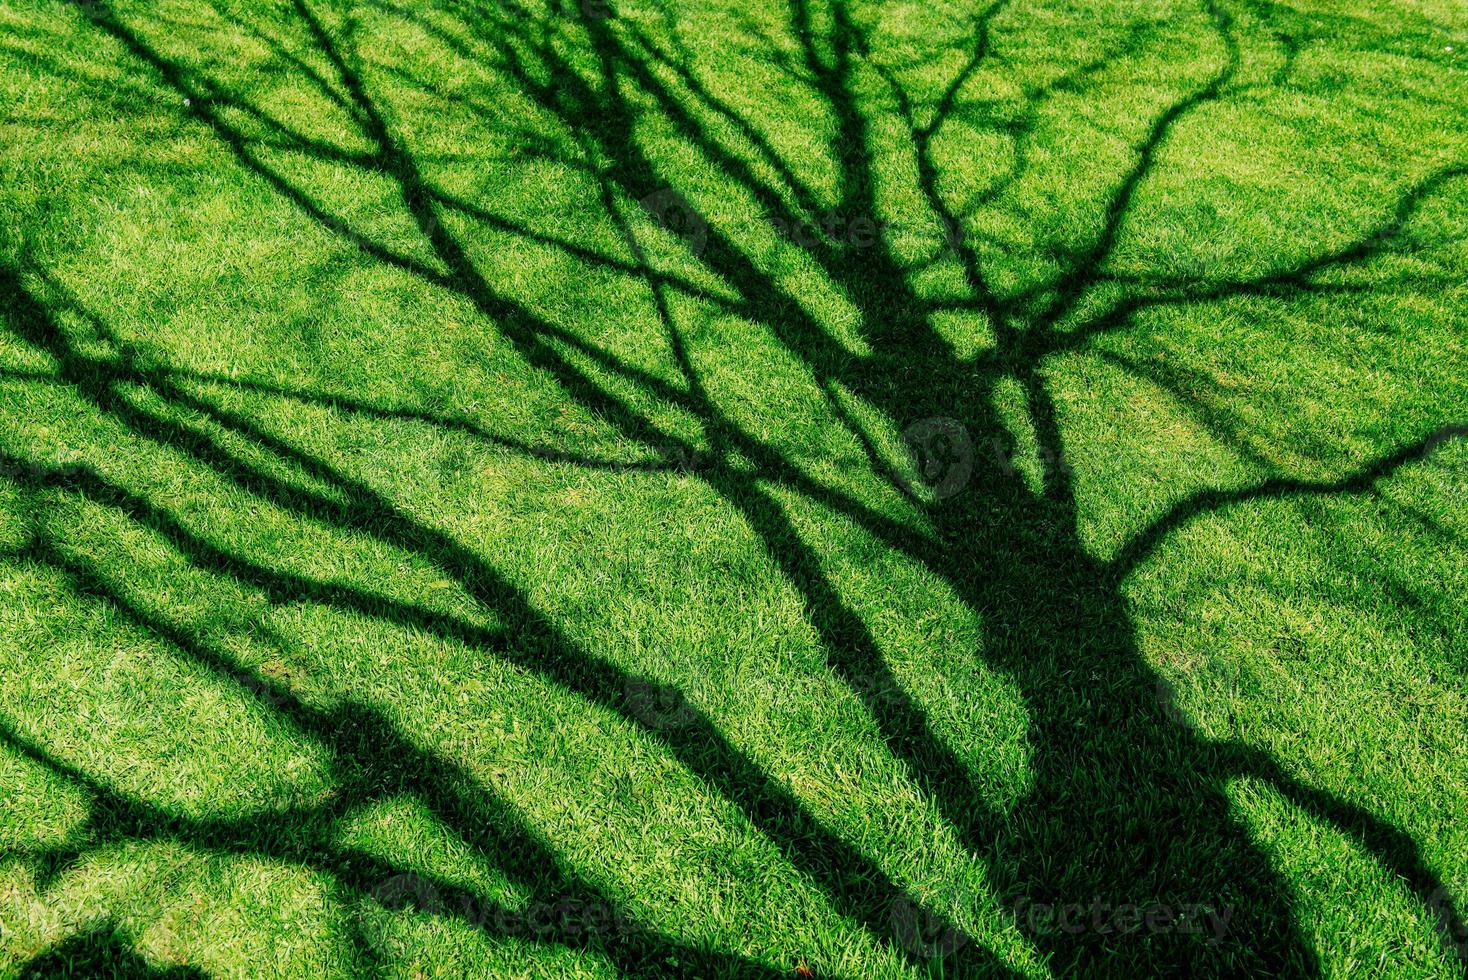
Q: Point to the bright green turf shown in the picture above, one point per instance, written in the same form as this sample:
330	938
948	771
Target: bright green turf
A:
456	516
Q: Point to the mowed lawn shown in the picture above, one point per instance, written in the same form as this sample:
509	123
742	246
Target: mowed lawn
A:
733	488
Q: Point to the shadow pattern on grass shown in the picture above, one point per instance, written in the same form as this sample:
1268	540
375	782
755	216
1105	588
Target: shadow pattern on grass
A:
1117	774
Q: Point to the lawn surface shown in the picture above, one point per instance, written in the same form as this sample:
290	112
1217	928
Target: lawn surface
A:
737	488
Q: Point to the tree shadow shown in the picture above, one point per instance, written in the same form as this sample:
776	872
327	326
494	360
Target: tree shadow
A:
857	886
101	952
1130	807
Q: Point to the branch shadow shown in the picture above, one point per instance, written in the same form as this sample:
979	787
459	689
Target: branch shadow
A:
100	952
1130	806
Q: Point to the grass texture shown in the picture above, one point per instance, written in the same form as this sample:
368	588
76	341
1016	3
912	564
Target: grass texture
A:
737	488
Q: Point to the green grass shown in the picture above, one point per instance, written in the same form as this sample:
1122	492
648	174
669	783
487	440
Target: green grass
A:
749	488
